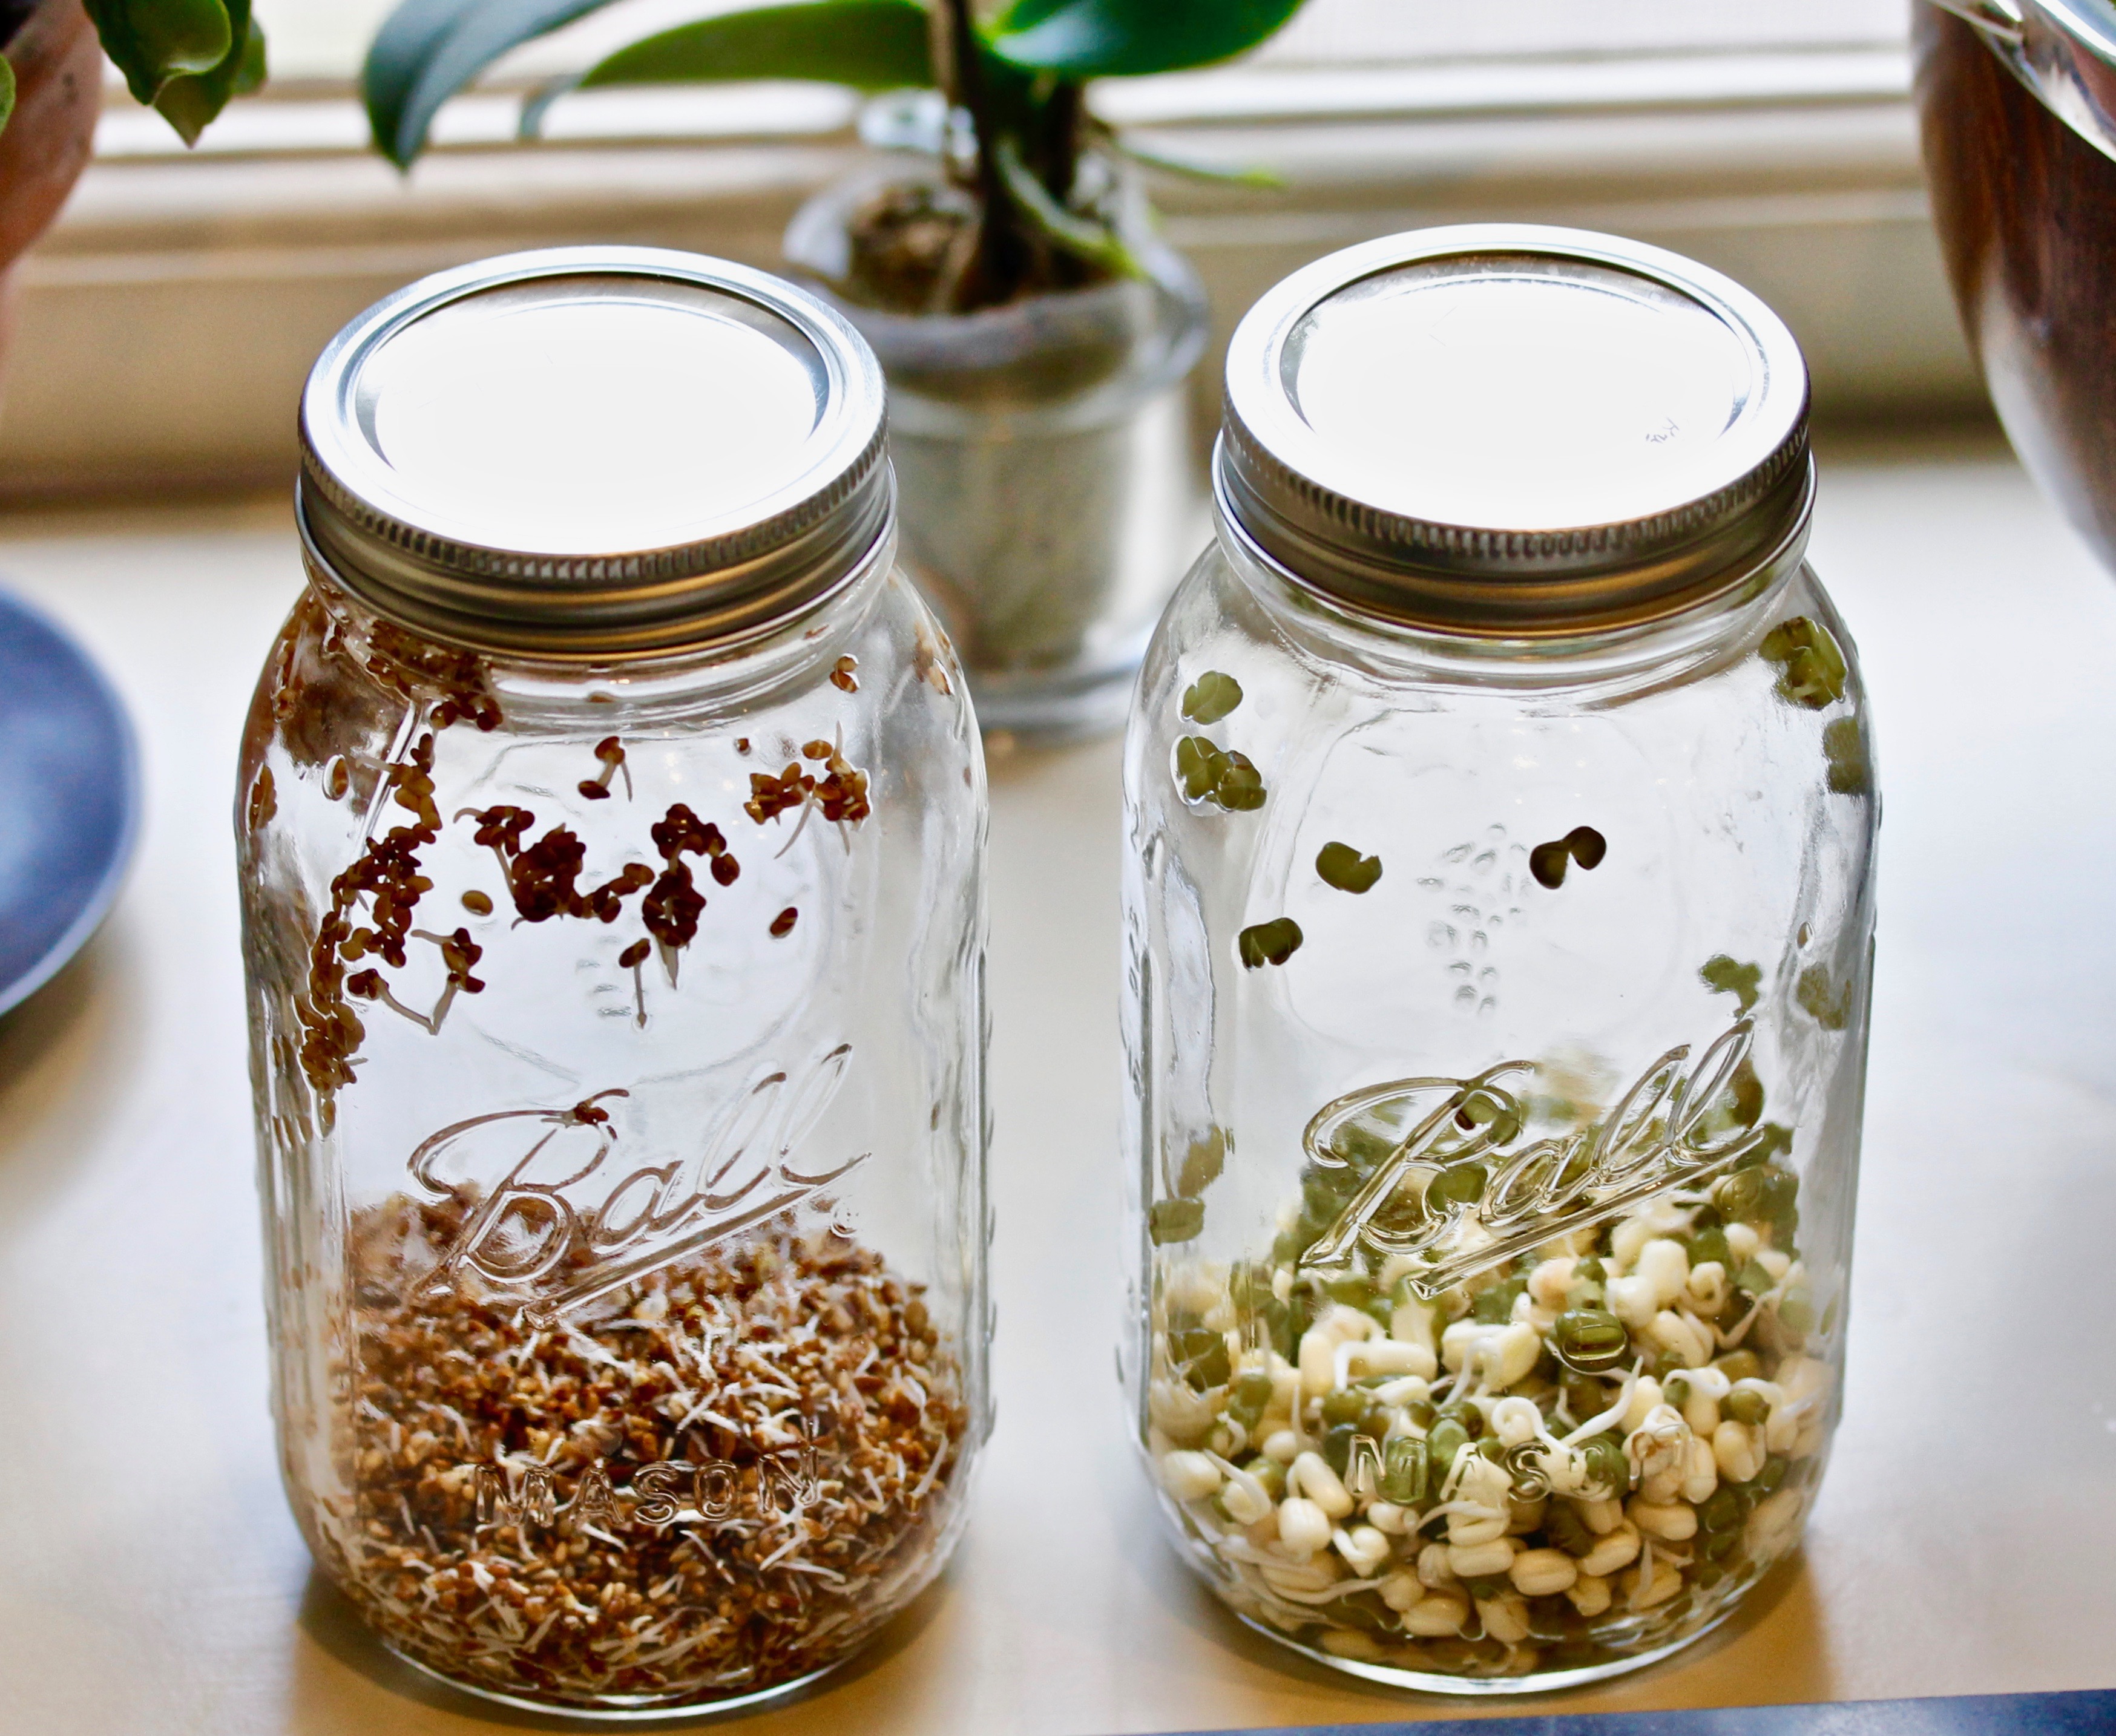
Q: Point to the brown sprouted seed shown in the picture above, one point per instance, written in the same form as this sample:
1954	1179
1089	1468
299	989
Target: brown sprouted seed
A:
609	751
841	677
337	779
782	925
477	903
816	750
632	958
862	1405
264	800
742	744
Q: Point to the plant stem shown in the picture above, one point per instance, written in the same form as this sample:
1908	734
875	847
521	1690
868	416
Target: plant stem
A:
1058	158
997	264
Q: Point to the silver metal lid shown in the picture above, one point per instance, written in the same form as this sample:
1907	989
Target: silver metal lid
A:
1501	428
594	452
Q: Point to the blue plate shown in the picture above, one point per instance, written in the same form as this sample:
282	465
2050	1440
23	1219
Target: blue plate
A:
69	799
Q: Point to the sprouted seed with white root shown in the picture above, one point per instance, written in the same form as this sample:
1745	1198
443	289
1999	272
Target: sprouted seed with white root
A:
718	1479
1581	1455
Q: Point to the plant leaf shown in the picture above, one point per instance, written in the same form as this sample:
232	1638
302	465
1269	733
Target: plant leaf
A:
6	92
190	102
1179	162
1101	39
154	41
1083	236
869	45
428	50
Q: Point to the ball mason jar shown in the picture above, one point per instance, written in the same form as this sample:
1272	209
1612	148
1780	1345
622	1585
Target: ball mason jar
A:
1499	918
611	828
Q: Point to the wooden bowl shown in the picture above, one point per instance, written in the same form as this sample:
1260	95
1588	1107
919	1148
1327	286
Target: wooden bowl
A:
2027	214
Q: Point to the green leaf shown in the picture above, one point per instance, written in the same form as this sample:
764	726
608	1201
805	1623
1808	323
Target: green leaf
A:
869	45
1195	168
1093	242
6	92
190	102
1100	39
428	50
154	41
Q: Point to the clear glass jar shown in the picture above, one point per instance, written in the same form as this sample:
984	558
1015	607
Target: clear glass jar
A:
1499	914
1051	497
614	924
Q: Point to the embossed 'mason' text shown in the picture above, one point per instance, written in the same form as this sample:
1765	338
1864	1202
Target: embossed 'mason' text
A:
666	1492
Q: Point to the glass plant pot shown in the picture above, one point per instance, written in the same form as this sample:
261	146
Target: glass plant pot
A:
613	927
2018	108
1049	495
1499	910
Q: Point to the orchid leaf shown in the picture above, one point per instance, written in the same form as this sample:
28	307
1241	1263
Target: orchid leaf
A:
1196	168
428	50
190	101
867	44
1082	236
154	41
1102	38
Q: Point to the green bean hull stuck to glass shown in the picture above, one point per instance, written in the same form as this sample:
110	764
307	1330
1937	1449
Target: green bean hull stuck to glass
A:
1499	913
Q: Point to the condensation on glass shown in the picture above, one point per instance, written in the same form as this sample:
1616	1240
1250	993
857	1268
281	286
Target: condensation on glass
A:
611	823
1499	922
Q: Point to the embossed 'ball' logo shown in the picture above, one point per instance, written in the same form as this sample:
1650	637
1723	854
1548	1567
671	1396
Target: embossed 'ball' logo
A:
560	1215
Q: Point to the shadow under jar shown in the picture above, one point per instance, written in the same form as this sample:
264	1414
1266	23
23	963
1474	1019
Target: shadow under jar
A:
1499	916
2017	103
611	827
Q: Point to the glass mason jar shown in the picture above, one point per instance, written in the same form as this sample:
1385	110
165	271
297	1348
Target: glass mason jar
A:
1499	917
611	828
1051	498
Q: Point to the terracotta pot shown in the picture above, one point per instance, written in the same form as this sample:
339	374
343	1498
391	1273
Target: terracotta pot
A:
2025	208
58	92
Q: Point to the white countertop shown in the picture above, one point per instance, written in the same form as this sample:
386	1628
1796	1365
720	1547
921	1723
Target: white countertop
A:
151	1580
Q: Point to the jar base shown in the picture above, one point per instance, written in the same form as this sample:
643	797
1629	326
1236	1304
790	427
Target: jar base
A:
1056	707
1432	1682
623	1709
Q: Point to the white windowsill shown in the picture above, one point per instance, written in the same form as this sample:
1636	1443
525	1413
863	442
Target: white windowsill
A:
168	322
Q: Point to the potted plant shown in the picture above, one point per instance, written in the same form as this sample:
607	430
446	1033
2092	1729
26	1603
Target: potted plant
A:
1001	259
185	57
